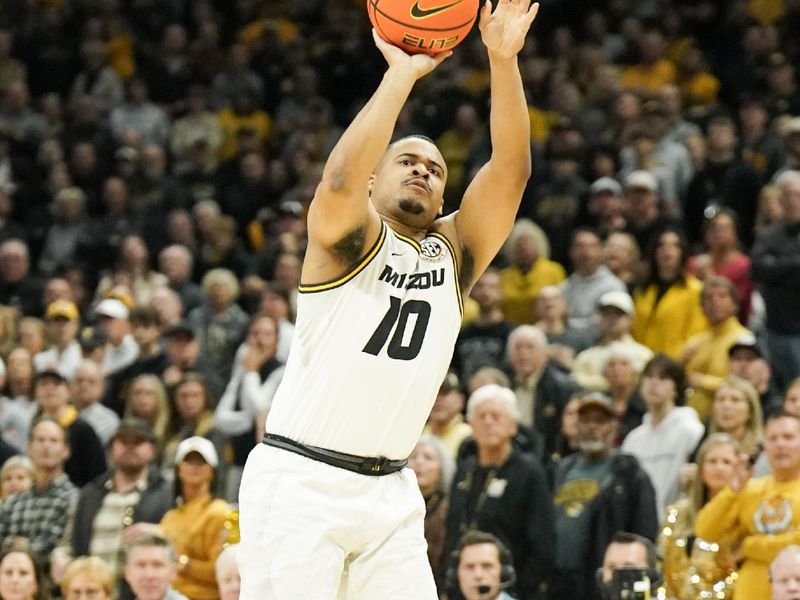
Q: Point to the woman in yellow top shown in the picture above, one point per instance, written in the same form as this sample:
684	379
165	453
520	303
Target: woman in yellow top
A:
195	526
691	565
667	305
527	250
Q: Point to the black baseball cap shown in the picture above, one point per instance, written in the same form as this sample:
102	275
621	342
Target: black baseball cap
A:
748	342
597	400
183	328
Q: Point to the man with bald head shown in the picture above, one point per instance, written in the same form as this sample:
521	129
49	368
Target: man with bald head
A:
784	574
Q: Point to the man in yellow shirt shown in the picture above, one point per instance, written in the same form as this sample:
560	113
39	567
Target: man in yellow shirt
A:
765	511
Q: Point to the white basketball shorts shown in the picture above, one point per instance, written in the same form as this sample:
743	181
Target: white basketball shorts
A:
311	531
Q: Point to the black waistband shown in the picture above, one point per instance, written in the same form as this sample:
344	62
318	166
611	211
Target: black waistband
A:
373	466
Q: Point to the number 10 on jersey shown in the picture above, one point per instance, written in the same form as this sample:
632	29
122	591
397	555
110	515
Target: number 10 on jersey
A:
396	318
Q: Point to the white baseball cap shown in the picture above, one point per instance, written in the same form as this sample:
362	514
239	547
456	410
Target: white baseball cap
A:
203	446
642	179
617	299
111	307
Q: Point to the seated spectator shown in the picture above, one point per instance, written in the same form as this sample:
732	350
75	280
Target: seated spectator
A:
62	321
502	491
113	317
194	414
185	356
434	468
596	491
627	551
668	310
86	457
725	259
41	514
747	360
221	324
694	568
621	369
669	432
589	281
248	396
482	342
705	355
614	317
764	512
528	252
227	573
87	392
90	577
176	263
133	270
16	475
30	335
194	525
565	341
147	399
482	568
21	576
784	574
541	388
150	567
446	421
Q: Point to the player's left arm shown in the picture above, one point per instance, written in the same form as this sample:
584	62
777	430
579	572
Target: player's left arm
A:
490	203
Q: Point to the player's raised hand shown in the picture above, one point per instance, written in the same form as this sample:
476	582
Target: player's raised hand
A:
503	31
419	64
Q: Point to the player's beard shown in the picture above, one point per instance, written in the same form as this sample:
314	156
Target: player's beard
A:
411	206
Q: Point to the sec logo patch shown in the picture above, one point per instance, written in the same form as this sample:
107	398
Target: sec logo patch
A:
432	250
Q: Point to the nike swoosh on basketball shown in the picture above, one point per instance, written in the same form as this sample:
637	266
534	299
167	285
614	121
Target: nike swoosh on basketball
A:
423	13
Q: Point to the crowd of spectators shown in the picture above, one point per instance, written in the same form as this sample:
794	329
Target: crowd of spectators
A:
636	338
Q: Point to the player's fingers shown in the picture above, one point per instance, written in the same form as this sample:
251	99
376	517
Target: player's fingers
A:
486	13
534	10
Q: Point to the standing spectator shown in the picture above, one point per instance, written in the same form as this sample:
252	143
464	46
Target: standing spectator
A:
88	386
776	270
446	422
725	181
669	432
41	514
765	512
705	355
615	316
668	310
62	320
725	259
597	492
150	567
97	79
528	252
482	342
503	492
434	467
541	388
590	280
692	567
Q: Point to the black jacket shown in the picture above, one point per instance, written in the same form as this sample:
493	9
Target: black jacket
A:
155	500
776	268
552	394
626	503
518	511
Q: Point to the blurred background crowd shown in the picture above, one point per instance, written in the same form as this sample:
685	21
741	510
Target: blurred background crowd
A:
628	364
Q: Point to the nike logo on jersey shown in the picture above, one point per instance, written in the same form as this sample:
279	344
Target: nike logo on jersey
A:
412	281
398	253
424	13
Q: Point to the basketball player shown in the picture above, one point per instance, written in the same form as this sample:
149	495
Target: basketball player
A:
326	506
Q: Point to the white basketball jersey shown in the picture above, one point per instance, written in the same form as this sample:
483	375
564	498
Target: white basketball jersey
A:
370	350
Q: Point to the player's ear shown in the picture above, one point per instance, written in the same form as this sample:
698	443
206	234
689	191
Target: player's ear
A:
441	208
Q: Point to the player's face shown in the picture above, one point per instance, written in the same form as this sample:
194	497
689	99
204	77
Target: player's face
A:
408	183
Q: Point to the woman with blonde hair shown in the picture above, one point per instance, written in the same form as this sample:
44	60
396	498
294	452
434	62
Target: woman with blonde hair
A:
146	398
736	410
88	577
692	567
527	250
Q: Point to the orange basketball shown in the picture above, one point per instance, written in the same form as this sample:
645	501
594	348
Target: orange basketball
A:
429	26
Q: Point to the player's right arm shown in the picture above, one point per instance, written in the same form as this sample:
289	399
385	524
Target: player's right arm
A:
340	213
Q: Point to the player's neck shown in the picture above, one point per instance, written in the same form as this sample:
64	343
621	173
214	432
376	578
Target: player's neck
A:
404	229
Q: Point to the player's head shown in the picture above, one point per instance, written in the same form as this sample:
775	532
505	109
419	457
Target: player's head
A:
408	182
